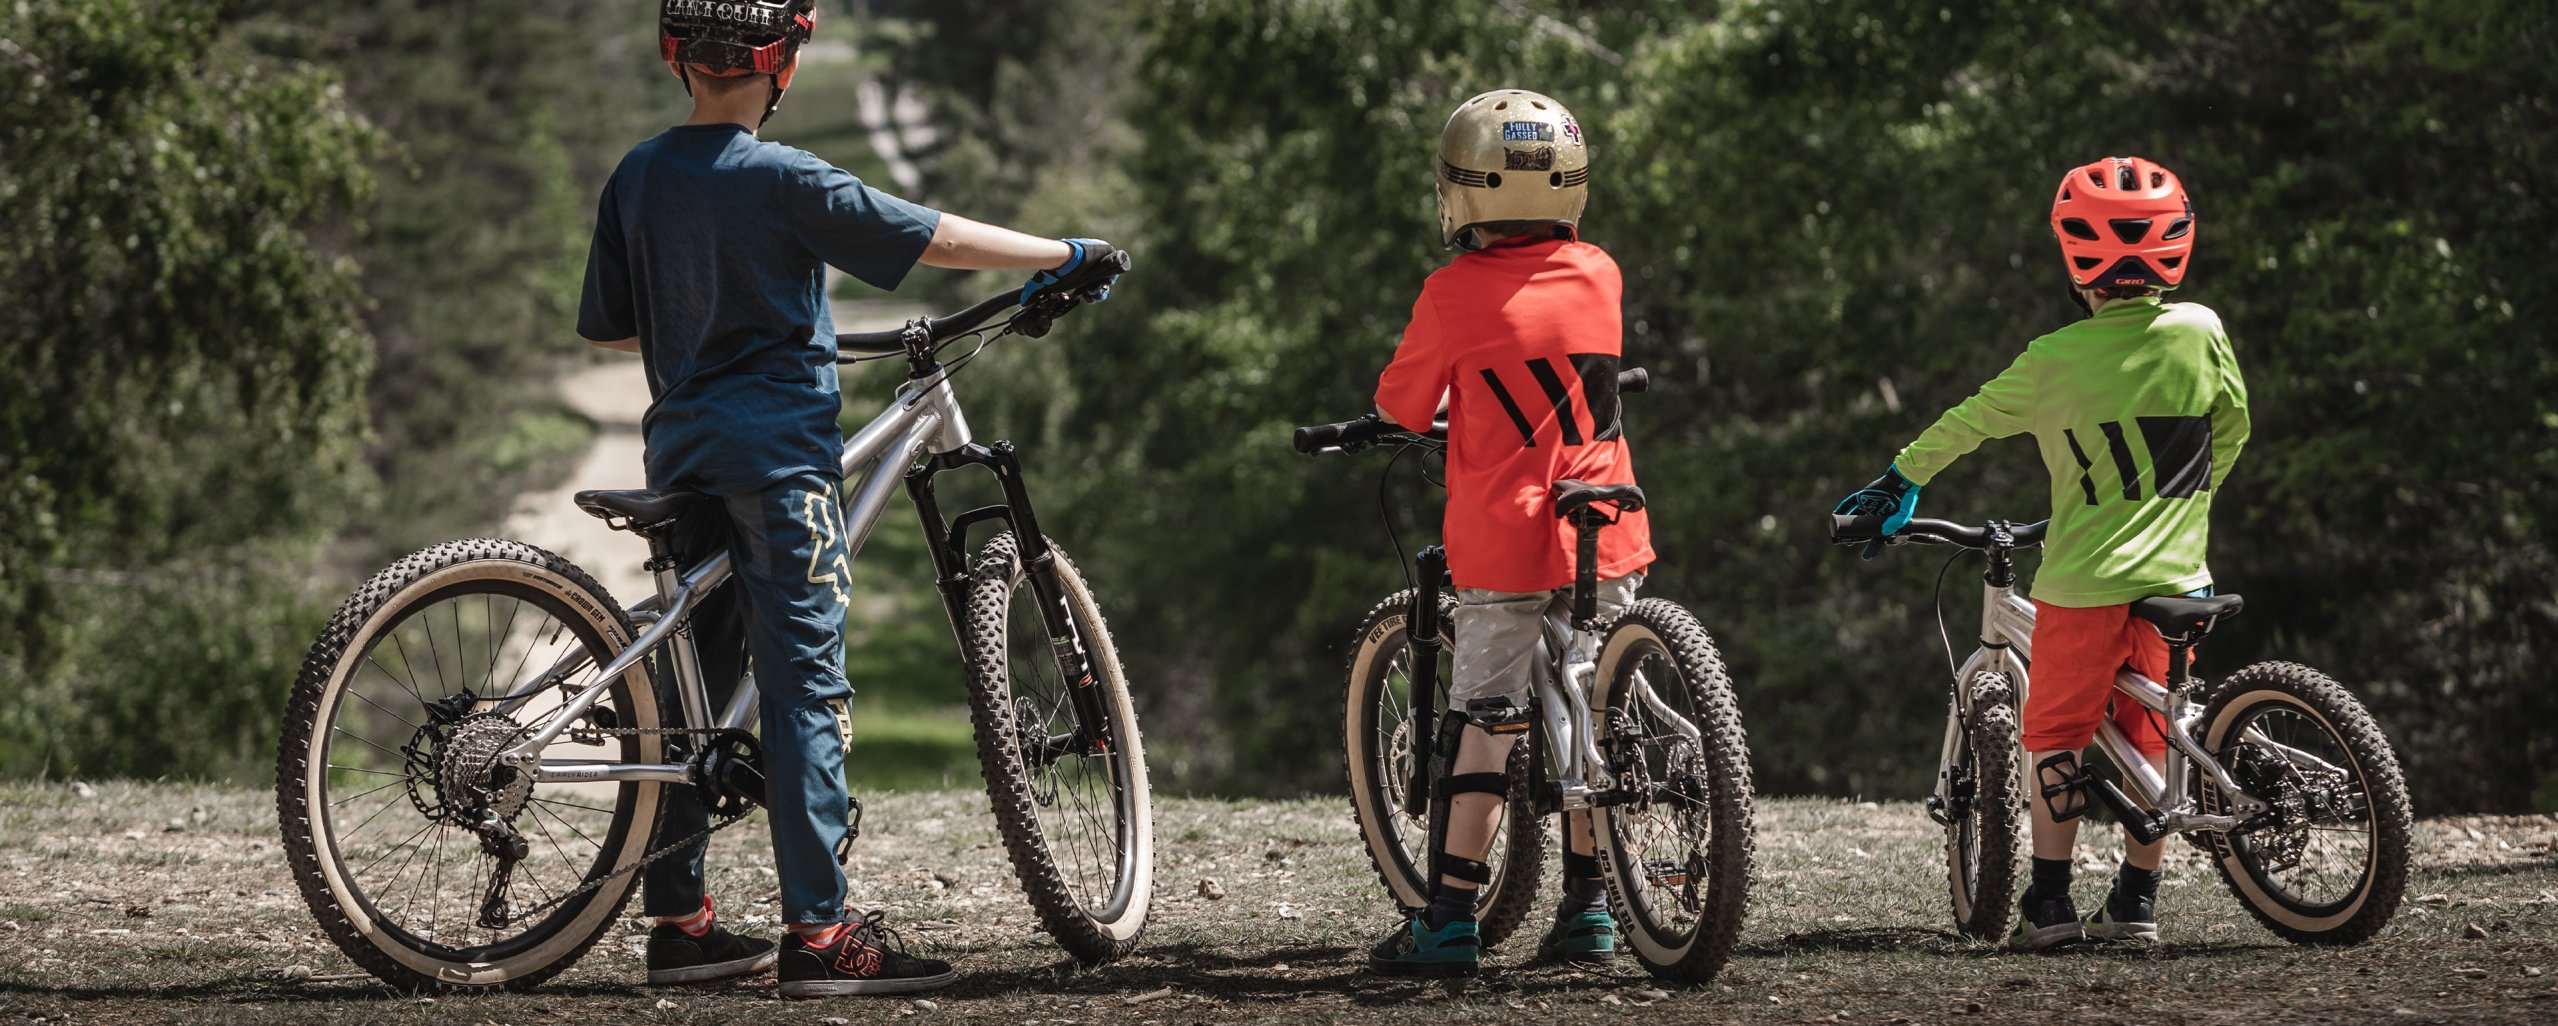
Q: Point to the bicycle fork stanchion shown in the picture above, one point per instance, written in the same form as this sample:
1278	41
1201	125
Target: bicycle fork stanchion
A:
950	564
1421	630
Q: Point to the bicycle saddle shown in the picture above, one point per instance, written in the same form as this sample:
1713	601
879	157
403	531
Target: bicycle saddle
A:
636	509
1573	495
2178	618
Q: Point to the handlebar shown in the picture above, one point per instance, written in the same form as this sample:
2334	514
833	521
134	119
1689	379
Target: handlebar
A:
1044	307
1316	438
1846	529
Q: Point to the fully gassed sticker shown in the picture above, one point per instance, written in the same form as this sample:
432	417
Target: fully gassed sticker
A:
1539	159
1527	131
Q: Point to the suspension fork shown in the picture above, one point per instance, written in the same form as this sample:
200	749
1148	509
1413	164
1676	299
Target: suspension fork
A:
1421	630
950	571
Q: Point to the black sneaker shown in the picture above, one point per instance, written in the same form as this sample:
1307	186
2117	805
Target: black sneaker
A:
678	957
861	961
2045	923
2124	918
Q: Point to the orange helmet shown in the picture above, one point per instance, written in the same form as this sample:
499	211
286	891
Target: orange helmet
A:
2123	221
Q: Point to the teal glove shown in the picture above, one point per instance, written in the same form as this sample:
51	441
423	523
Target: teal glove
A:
1891	497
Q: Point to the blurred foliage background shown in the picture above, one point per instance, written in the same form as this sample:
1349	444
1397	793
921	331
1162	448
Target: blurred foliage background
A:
285	289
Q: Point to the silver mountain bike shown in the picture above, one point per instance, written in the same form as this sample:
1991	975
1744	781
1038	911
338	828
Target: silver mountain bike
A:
2280	775
479	745
1646	736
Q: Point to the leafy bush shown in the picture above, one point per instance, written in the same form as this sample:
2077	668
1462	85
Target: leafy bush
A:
183	418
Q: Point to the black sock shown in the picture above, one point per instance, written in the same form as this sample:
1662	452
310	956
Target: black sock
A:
1449	904
1583	888
2135	897
2051	879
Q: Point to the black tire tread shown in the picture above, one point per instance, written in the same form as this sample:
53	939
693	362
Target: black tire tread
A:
2392	812
1514	891
1996	802
318	666
982	638
1735	848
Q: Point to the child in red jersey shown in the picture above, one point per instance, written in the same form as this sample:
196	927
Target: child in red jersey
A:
1518	341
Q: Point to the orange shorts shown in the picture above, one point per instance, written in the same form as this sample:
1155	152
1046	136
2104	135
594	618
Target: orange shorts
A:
2076	653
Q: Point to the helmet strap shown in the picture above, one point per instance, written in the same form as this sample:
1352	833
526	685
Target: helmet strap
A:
776	104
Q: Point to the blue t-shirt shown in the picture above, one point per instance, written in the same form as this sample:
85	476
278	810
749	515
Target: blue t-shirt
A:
711	247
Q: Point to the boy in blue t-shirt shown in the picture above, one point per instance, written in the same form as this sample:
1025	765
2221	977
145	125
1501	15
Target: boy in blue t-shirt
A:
709	262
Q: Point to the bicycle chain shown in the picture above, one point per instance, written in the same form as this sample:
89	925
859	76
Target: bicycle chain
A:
590	886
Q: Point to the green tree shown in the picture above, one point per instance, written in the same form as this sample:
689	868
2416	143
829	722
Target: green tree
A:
502	123
183	418
1831	216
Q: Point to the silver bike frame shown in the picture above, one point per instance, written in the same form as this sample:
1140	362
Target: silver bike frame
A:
1563	688
925	420
2007	646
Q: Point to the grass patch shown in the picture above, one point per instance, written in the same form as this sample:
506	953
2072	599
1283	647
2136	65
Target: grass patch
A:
911	750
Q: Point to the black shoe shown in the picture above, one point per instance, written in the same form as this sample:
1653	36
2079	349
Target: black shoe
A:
2045	923
861	961
678	957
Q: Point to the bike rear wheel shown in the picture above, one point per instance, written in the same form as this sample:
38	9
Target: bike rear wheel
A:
386	773
1378	732
2328	863
1070	798
1981	811
1678	855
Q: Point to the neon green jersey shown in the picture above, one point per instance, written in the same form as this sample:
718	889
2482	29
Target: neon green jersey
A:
2140	413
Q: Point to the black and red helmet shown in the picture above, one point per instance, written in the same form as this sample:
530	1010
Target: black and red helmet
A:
724	38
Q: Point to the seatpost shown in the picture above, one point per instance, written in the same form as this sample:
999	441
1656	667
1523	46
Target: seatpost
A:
1585	575
2180	651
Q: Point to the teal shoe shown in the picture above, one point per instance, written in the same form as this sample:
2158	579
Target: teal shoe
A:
1414	949
1590	936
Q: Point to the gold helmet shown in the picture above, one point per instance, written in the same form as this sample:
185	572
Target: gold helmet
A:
1510	158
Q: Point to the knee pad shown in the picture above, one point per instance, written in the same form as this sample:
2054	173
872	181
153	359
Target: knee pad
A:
1445	785
2063	786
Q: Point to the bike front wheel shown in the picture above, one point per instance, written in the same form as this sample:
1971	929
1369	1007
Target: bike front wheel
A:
1379	731
1981	810
1677	851
1069	788
2326	863
393	804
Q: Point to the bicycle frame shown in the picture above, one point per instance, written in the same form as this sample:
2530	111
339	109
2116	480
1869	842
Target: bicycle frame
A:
1561	691
2007	647
915	438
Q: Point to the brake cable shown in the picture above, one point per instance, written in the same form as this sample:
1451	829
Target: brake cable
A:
1943	636
1385	512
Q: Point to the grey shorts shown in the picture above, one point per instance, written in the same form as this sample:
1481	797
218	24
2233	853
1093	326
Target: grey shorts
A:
1497	633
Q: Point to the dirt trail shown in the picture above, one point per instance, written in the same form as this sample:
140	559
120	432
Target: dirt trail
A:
164	903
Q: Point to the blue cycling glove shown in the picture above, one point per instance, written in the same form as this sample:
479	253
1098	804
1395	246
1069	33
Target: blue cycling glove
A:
1079	250
1891	497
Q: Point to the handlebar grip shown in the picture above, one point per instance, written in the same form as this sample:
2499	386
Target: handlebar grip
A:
1634	379
1315	438
1097	268
1855	528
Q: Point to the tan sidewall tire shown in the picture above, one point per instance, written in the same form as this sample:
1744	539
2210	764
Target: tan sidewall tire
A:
997	574
353	631
2385	865
1511	893
1657	624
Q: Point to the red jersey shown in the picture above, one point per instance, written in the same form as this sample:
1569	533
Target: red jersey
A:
1523	340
